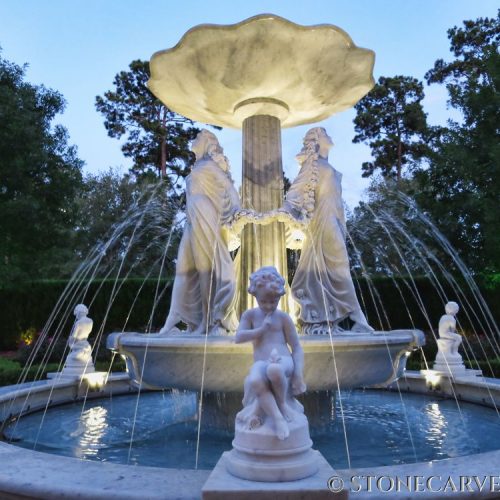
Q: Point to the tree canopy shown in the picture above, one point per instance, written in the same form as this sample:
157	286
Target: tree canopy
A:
391	120
461	187
453	171
129	218
156	138
40	175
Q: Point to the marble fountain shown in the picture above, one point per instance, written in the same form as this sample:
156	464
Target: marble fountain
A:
258	75
238	77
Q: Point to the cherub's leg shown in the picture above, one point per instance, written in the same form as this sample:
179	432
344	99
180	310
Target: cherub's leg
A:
276	373
258	382
457	340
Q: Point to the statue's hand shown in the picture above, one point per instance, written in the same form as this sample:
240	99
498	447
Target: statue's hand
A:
293	217
242	217
298	384
267	321
237	220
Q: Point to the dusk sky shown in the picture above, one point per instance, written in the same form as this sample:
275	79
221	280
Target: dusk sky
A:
77	47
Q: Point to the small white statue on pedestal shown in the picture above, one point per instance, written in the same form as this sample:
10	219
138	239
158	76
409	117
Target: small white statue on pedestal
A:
79	360
272	440
448	358
274	368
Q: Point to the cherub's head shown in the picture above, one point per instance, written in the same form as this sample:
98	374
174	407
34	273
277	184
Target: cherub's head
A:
80	310
451	308
267	286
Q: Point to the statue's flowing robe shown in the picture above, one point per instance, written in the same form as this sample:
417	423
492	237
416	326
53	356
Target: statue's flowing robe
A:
204	291
322	284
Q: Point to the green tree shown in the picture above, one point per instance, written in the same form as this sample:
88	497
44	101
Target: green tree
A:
461	187
387	236
40	176
103	203
156	138
391	120
472	77
130	218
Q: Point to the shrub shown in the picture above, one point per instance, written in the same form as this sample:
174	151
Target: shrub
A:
396	305
11	372
490	368
30	305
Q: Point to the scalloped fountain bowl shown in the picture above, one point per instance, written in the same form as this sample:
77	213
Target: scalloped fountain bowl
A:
347	360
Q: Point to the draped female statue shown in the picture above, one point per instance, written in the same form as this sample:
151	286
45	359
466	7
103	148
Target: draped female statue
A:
203	295
322	284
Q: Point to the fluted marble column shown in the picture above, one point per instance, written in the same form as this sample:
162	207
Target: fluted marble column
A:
262	190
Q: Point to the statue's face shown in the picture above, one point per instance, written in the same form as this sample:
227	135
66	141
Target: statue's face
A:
198	146
268	300
324	139
202	144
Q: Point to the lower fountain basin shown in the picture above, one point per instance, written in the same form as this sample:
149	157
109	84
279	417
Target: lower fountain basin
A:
164	429
216	363
34	475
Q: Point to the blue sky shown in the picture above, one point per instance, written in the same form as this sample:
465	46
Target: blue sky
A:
77	46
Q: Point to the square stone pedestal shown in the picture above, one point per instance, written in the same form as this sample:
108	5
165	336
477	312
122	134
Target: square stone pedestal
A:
221	485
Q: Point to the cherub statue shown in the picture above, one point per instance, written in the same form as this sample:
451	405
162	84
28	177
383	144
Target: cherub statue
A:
79	360
450	339
276	374
448	359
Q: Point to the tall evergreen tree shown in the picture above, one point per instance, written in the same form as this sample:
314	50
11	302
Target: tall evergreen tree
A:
391	120
156	138
461	187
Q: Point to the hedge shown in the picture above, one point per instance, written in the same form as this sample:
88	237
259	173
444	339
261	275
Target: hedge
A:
10	372
29	306
490	368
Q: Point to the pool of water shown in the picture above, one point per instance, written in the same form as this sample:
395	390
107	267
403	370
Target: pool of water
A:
382	428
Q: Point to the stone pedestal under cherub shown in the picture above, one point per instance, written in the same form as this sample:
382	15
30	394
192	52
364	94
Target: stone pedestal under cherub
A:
79	360
272	440
448	359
